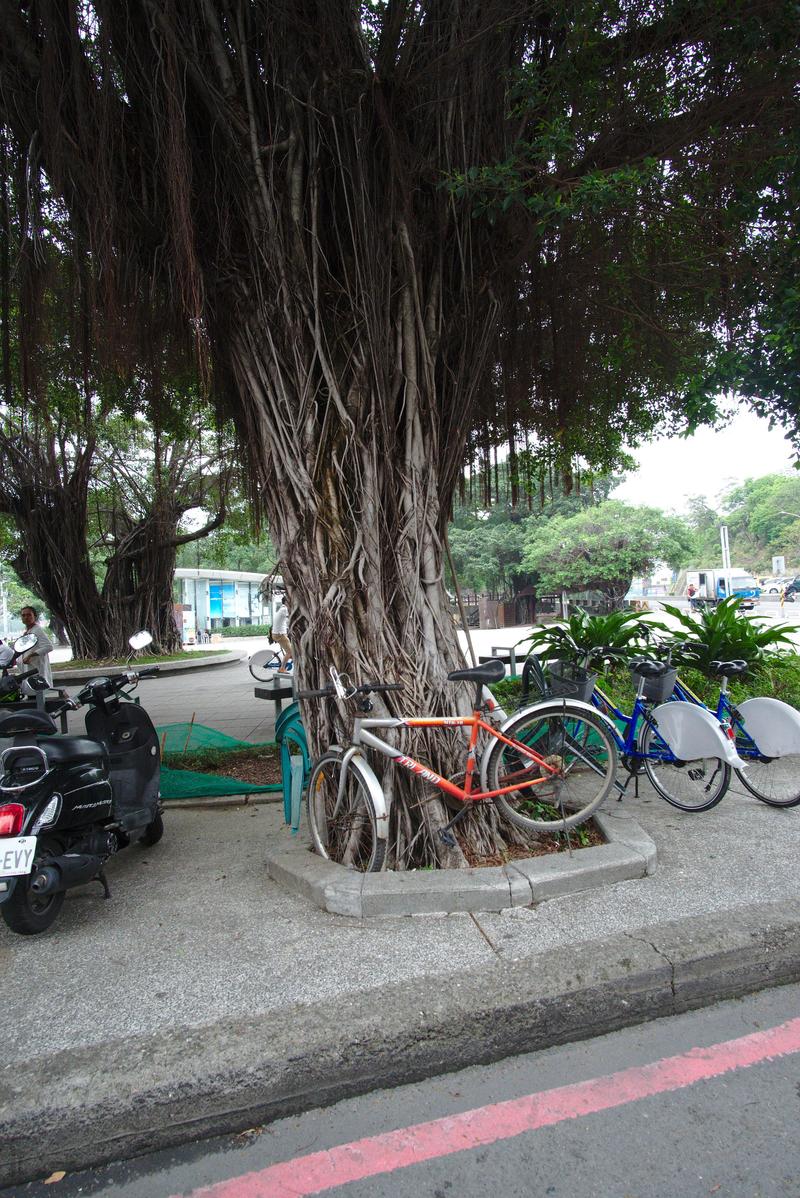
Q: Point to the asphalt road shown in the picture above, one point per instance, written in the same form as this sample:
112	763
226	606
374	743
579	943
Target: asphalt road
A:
621	1116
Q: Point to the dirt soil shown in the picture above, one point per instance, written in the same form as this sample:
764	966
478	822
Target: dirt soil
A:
585	837
261	769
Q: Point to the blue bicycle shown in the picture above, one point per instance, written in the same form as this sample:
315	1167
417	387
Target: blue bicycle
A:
692	784
766	733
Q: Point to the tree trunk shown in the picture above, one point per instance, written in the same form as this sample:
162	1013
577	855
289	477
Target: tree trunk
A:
357	520
137	588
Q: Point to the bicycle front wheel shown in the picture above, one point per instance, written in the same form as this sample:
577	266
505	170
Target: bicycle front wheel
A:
775	782
570	773
342	818
262	665
688	785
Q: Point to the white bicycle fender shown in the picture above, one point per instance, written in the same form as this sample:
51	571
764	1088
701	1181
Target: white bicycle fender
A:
692	732
358	763
545	707
773	725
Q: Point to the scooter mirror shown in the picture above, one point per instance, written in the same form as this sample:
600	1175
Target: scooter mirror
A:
140	640
25	642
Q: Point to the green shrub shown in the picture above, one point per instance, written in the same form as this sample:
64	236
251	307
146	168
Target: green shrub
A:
507	693
721	634
778	678
620	632
245	630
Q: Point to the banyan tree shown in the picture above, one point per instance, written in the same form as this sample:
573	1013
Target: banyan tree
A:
384	226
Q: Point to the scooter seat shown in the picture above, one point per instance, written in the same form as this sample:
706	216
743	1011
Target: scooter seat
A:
70	750
15	723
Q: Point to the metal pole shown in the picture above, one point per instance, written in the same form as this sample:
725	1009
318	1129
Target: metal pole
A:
726	558
459	601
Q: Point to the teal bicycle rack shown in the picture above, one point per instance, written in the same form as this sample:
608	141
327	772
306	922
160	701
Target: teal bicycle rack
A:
295	762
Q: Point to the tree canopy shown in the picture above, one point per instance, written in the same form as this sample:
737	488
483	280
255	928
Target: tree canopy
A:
603	548
396	230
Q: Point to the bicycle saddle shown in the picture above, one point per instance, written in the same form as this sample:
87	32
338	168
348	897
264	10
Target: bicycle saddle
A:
486	672
728	669
649	668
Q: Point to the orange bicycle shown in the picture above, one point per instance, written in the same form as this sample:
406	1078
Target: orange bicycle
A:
547	767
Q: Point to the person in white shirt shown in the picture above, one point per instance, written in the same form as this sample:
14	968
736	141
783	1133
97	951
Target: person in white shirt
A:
280	629
37	658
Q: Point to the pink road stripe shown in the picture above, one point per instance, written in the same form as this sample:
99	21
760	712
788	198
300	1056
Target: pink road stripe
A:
320	1171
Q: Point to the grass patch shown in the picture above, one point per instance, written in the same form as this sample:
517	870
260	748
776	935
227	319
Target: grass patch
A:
85	663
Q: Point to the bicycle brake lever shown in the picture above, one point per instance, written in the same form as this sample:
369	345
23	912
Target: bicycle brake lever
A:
337	685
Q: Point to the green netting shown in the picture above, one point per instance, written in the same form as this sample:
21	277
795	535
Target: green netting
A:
189	738
187	784
191	784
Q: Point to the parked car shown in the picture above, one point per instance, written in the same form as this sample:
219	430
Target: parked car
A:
773	584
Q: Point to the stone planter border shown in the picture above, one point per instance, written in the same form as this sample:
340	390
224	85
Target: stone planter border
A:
628	853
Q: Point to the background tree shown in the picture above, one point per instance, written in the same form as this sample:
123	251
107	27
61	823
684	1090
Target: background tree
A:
232	546
487	543
601	549
273	179
95	490
762	519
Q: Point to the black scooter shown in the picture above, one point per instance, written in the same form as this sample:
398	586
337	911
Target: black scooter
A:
67	803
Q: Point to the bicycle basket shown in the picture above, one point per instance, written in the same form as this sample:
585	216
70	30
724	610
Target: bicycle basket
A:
657	690
568	681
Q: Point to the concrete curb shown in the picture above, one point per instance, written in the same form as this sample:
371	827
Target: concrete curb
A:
84	1107
628	853
65	677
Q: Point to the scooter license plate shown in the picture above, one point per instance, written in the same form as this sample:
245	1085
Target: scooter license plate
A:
16	855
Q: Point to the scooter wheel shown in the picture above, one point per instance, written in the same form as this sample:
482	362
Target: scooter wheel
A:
27	913
153	832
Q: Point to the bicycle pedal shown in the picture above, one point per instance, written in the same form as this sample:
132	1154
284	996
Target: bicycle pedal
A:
448	838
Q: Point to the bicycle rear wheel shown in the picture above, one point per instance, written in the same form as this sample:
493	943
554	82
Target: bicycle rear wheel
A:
343	826
688	785
775	782
579	749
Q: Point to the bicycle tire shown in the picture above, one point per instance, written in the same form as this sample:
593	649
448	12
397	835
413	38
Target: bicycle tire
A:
264	664
348	836
588	753
692	776
778	772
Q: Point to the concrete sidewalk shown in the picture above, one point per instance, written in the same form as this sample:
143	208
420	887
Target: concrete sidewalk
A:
203	997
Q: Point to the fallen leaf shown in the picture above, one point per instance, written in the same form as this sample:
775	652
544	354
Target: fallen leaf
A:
59	1175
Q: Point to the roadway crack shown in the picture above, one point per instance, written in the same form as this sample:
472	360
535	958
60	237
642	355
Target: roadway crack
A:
485	935
660	953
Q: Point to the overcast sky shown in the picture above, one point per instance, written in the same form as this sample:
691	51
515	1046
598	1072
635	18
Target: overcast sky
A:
671	470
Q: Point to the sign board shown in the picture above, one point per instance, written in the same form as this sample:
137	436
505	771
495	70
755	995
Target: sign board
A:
779	565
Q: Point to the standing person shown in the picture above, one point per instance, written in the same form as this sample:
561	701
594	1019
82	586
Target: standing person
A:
280	629
37	658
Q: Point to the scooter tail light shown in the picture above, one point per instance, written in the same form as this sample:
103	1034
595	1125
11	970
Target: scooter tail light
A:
11	818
